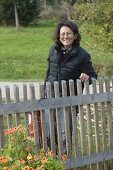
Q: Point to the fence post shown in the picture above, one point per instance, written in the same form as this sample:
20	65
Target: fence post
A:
58	120
110	123
25	98
16	99
81	117
89	124
67	122
51	118
34	118
74	120
8	100
112	83
44	138
2	140
96	123
103	121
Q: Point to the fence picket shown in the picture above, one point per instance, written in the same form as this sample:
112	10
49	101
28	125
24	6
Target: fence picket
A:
103	121
34	118
26	114
52	122
43	121
74	112
67	121
8	100
96	123
112	82
58	120
16	99
89	124
109	113
82	127
81	119
2	140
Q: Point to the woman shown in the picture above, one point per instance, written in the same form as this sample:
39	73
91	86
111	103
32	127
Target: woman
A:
67	59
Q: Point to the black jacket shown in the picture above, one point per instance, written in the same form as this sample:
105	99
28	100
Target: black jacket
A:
68	66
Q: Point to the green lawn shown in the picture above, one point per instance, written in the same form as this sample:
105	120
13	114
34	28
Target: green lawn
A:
23	55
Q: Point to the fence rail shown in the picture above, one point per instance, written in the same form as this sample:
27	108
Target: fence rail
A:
51	103
92	135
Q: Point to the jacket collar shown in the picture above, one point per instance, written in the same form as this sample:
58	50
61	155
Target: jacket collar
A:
74	49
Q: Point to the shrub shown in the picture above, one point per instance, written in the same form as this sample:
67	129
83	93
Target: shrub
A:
20	153
99	14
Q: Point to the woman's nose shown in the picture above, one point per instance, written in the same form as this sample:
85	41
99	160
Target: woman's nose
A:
66	35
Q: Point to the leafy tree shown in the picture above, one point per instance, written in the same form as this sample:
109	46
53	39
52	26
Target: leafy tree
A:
28	11
6	12
71	2
99	15
23	12
16	15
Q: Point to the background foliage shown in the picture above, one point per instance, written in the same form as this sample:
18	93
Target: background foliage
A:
100	15
96	23
23	54
28	11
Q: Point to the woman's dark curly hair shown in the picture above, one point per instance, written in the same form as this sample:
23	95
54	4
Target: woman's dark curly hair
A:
72	26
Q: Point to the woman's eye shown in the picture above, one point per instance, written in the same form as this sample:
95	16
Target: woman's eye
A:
67	34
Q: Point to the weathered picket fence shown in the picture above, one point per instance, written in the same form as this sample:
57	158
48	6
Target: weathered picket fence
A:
92	137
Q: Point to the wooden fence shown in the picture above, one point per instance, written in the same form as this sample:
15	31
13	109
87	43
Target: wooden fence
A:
92	136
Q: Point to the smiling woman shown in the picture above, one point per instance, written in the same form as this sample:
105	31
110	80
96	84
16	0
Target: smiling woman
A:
68	60
67	37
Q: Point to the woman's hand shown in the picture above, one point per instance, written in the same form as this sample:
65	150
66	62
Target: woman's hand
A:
84	77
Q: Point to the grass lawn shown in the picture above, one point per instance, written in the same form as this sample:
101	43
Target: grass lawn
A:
23	54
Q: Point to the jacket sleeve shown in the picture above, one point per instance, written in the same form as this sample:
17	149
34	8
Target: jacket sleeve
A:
86	67
48	67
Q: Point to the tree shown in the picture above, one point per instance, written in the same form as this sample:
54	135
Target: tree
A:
16	15
68	6
28	11
18	12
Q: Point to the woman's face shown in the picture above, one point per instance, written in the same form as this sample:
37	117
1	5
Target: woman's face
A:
67	36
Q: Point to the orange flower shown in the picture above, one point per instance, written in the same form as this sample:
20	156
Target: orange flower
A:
47	153
28	168
22	161
19	128
28	148
64	157
44	160
51	153
29	157
35	158
7	132
5	168
14	166
31	130
41	167
3	159
12	130
41	153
